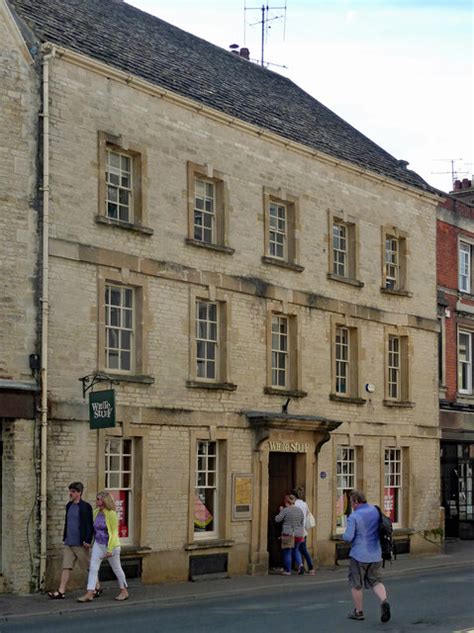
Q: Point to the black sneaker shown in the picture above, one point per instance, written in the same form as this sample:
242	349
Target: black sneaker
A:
356	615
385	607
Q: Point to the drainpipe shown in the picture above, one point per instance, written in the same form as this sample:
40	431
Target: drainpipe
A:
44	301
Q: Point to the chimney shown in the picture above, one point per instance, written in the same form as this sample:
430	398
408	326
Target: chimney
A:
466	183
457	185
245	53
403	164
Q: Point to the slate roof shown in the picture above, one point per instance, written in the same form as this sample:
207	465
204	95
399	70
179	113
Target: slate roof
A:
140	44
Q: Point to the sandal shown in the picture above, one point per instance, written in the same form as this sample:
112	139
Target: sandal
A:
85	598
56	595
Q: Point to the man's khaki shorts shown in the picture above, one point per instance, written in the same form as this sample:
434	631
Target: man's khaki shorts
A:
73	554
364	574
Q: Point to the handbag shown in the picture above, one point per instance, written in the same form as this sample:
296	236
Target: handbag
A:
287	541
310	521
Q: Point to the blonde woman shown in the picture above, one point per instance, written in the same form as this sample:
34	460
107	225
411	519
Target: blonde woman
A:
106	545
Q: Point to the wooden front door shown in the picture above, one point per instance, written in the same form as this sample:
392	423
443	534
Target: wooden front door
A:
281	480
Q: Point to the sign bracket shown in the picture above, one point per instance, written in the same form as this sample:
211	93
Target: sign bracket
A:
90	380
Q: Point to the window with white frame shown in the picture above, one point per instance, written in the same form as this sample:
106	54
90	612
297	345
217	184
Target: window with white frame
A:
394	366
465	259
392	499
392	262
119	482
207	340
340	249
342	353
465	341
119	328
205	510
278	231
204	211
280	350
345	483
119	190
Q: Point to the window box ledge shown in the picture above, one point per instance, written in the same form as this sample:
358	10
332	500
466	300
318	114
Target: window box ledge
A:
136	378
220	248
396	293
213	386
209	544
128	226
347	399
282	264
292	393
405	404
346	280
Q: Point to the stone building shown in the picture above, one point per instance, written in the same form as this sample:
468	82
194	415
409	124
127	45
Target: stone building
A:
455	243
244	265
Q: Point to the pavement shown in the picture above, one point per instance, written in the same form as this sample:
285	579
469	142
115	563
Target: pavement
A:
454	553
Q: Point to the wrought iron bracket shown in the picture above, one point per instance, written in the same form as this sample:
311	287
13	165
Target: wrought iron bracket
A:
93	379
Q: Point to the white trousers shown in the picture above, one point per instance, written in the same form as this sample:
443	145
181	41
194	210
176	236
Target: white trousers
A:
98	554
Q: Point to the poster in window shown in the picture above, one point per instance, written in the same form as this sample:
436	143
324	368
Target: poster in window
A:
121	506
241	496
389	503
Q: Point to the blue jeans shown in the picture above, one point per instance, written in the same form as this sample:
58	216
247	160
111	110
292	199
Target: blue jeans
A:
290	554
306	555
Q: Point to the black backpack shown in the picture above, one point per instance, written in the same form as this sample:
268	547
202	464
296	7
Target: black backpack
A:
387	545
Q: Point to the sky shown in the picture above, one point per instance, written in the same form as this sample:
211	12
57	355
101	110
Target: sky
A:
400	71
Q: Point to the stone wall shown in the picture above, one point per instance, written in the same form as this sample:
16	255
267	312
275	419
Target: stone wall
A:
19	108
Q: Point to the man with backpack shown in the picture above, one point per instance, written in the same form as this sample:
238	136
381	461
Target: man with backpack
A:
365	556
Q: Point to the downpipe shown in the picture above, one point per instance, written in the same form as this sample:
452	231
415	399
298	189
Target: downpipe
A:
48	54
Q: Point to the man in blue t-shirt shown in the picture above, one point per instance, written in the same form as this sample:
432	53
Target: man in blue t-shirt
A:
365	562
78	531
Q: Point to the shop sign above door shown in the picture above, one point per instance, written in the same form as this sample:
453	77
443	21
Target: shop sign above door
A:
288	447
102	409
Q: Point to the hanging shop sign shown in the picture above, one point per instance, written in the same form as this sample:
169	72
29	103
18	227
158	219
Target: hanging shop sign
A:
102	409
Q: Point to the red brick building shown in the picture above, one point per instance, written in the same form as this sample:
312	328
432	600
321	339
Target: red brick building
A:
455	256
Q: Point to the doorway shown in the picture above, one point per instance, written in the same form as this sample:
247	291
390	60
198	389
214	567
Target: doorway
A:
281	480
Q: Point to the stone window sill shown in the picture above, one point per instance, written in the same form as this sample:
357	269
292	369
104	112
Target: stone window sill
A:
401	531
128	226
282	264
396	293
213	386
402	404
293	393
465	397
209	544
346	399
346	280
136	378
220	248
134	550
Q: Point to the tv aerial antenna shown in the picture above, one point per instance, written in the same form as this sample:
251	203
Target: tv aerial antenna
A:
264	22
455	173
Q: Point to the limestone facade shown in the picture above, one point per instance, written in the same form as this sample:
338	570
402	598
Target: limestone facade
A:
231	436
19	107
162	407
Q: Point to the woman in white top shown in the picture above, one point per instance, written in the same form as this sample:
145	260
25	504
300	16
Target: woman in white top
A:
301	503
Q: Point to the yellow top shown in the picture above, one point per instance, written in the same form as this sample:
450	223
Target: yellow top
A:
111	521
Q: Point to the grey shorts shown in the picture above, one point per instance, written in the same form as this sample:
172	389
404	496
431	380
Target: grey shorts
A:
364	574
